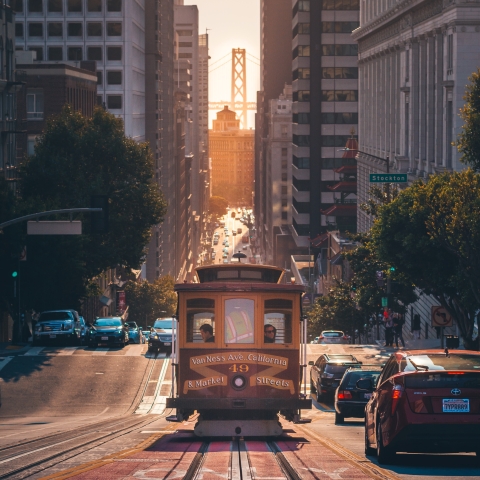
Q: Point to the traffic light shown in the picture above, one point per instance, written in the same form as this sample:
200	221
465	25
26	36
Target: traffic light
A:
353	286
99	220
392	269
15	274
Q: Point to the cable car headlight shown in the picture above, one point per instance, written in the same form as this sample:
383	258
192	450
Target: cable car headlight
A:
239	382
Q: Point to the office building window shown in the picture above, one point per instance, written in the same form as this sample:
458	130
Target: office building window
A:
94	5
340	72
35	30
341	4
184	44
99	78
184	55
55	53
301	29
340	118
300	185
301	74
18	6
301	207
55	6
114	5
340	50
34	104
184	33
331	163
114	78
75	54
94	53
301	96
55	29
339	27
94	29
301	6
38	51
114	102
450	54
114	29
114	53
284	177
302	118
284	152
74	5
301	51
75	30
19	30
284	190
301	140
302	163
334	140
35	6
339	95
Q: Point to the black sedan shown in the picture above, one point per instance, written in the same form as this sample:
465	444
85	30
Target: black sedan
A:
109	331
350	400
161	335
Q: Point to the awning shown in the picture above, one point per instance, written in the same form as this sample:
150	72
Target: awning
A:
337	259
348	210
343	187
319	240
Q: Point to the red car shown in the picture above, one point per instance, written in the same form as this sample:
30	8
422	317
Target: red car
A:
425	401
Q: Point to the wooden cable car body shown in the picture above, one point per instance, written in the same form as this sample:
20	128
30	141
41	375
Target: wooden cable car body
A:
239	383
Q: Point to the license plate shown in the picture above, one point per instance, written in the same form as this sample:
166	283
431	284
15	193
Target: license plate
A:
104	338
167	344
53	336
367	395
456	405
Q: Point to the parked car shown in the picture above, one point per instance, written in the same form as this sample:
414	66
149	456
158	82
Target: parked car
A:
425	401
57	326
350	400
109	331
83	330
333	337
327	371
134	333
315	340
161	335
146	335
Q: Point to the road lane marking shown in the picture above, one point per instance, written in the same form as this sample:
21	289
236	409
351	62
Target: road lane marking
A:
4	361
100	351
33	351
155	404
68	351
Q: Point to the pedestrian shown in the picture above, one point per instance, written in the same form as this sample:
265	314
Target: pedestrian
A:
388	329
269	333
206	331
398	322
416	326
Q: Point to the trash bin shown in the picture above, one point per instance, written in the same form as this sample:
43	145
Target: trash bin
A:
451	341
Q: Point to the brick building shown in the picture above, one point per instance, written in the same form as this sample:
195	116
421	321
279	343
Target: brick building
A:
48	87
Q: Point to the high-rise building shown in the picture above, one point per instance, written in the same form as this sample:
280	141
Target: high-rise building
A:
278	169
231	150
415	61
275	73
325	110
163	252
111	32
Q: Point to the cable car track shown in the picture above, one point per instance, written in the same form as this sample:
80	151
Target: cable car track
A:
240	465
38	452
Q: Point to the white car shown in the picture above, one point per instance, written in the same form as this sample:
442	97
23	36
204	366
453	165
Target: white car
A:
333	337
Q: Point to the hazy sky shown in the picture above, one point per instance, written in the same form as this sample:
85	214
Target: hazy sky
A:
231	24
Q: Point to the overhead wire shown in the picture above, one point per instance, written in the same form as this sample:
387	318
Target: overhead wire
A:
219	66
216	61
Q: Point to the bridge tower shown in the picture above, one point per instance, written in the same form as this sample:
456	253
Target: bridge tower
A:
238	101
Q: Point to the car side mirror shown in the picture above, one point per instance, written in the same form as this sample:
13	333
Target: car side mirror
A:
311	363
365	384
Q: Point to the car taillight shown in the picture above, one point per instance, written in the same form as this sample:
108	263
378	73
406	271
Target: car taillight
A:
320	337
397	394
345	337
344	395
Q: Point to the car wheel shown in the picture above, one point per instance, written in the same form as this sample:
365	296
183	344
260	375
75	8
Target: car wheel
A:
368	449
339	419
385	455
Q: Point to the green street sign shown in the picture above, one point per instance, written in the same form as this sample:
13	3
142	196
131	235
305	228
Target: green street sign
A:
388	178
384	302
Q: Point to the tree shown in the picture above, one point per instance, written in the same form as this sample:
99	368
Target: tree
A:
217	206
469	139
335	311
431	233
149	301
75	158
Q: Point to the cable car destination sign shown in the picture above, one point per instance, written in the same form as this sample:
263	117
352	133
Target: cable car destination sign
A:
388	178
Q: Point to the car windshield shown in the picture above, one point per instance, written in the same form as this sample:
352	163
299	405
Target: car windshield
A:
333	334
55	316
108	322
353	377
430	362
168	324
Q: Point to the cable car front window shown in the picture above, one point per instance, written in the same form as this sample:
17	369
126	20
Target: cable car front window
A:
278	318
239	320
200	311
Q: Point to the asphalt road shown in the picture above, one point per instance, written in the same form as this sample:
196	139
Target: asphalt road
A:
47	393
